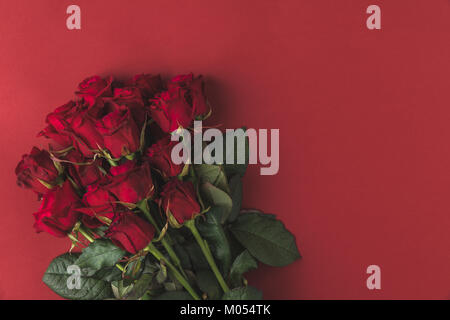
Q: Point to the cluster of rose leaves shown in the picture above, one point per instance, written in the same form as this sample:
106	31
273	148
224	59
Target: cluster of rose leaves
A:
98	162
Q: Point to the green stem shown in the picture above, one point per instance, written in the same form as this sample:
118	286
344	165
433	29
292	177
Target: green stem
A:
173	255
165	243
86	234
158	255
190	224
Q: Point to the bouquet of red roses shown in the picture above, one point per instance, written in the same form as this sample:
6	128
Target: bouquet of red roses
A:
145	226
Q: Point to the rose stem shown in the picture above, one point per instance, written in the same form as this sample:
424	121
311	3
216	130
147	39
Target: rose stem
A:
190	224
158	255
90	239
165	243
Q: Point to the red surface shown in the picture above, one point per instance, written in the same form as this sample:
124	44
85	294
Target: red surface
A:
363	115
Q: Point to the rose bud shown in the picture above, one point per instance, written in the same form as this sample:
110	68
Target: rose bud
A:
37	171
98	204
159	157
171	110
179	201
85	133
59	141
58	128
131	98
129	232
120	132
84	171
195	92
93	87
131	183
57	214
147	84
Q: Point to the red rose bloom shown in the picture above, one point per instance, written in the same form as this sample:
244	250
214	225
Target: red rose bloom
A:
85	133
147	84
121	135
36	171
130	232
58	125
57	214
131	98
98	204
93	87
179	200
84	171
131	183
180	104
195	91
171	110
159	156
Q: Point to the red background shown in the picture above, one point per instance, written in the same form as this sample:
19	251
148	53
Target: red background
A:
363	116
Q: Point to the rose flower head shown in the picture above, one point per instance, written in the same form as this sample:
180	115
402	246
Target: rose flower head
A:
58	212
159	157
179	202
130	232
93	87
36	171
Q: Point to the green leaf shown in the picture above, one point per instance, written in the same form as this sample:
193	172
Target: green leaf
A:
196	256
99	254
134	269
93	287
265	238
212	231
142	284
207	282
183	255
215	197
236	196
213	174
161	275
174	295
242	264
121	289
140	287
235	168
243	293
110	274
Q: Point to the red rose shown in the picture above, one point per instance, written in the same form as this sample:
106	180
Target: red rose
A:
121	135
131	183
84	171
36	171
195	91
57	214
130	232
93	87
84	130
58	125
171	110
147	84
178	200
123	168
98	204
131	98
159	156
180	104
60	141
